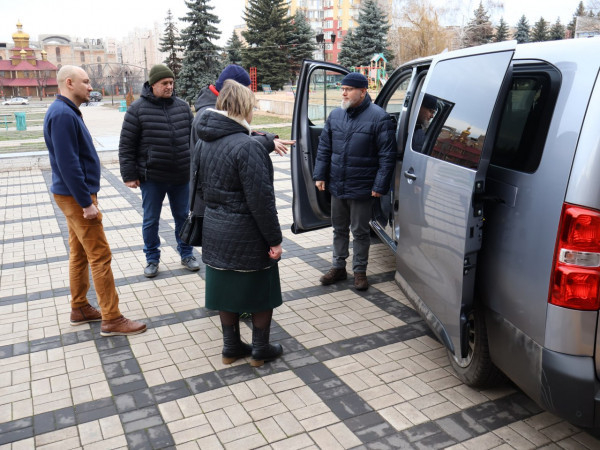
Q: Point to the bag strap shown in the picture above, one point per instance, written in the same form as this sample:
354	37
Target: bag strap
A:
195	178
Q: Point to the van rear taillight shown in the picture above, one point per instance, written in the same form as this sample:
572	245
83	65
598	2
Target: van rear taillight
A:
576	276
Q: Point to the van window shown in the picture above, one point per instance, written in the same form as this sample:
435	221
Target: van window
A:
455	109
525	119
324	95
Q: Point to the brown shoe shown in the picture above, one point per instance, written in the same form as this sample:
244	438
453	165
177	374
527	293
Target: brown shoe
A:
333	276
121	327
85	314
360	281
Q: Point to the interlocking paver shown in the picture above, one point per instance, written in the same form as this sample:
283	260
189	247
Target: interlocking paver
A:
359	368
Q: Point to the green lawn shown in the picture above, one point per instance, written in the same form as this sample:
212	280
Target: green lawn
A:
29	147
282	132
262	119
13	135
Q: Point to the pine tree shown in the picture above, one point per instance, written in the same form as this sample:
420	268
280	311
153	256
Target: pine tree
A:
301	44
170	44
522	34
540	31
580	11
557	32
350	54
268	36
369	38
479	30
201	65
234	50
501	31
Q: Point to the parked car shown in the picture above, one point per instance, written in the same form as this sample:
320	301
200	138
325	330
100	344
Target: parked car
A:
16	101
95	96
495	220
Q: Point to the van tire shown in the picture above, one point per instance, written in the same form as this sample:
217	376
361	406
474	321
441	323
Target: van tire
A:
477	369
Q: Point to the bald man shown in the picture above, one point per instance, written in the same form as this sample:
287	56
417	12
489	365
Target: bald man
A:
75	184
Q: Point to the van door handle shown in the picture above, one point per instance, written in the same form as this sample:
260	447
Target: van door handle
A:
409	174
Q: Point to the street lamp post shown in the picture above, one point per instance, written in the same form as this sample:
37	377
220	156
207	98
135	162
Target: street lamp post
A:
145	65
322	43
112	90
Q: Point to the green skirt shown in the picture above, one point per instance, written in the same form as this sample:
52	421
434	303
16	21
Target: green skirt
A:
228	290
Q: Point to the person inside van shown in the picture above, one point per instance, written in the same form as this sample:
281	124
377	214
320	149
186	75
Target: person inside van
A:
426	113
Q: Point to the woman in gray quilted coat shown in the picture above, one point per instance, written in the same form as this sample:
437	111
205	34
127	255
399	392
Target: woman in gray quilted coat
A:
241	237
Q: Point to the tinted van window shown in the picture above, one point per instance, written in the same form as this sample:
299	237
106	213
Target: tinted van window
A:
463	107
525	119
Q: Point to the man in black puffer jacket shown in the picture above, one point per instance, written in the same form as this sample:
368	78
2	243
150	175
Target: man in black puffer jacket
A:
154	155
356	157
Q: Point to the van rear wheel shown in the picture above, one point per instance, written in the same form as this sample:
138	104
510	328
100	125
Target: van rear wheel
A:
477	369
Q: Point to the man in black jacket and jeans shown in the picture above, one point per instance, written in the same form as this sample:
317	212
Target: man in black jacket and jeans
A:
154	155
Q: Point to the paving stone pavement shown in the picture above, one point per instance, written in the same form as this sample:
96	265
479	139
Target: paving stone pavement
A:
360	370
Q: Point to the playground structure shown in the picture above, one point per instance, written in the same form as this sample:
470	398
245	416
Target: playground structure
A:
375	72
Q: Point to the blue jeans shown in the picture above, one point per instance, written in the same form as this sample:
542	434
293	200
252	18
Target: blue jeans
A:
153	194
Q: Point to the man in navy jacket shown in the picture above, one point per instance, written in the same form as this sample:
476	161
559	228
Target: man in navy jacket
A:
355	160
75	185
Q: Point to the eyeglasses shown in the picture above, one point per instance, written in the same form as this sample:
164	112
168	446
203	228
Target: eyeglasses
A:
348	89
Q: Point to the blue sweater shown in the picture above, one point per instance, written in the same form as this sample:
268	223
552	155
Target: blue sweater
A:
74	161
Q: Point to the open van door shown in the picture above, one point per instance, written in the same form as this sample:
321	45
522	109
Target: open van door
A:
317	94
440	214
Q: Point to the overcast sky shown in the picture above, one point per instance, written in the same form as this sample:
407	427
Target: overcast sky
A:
116	18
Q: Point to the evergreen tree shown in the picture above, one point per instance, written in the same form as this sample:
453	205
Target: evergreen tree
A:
522	34
350	54
301	44
557	32
540	31
479	30
501	31
369	38
201	65
234	50
580	11
170	44
268	36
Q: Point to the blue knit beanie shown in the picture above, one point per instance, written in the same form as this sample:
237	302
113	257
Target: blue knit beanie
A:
355	79
233	72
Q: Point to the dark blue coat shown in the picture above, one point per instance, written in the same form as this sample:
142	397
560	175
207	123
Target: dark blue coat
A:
357	151
74	161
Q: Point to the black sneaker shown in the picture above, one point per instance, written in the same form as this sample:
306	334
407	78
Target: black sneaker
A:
151	270
191	263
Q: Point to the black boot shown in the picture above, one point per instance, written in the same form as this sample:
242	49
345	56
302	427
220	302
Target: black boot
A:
233	347
262	351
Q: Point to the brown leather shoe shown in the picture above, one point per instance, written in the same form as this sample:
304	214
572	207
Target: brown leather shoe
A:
121	327
360	281
333	276
85	314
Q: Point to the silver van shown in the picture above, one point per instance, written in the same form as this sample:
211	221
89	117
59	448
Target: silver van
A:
494	216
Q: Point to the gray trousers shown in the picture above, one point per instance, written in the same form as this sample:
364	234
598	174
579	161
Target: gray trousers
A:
346	216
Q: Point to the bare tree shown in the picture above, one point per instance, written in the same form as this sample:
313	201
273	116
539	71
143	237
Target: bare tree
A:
420	32
41	77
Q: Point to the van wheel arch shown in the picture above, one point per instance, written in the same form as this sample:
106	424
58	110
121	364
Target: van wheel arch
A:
477	369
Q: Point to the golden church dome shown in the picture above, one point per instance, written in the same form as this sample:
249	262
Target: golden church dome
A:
20	34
